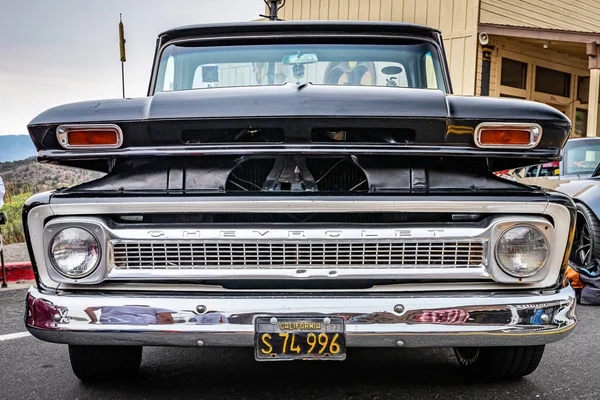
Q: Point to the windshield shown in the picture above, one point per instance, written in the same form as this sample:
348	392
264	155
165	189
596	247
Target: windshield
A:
411	65
581	157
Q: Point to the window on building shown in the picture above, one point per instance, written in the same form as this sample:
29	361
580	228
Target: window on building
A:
512	97
552	82
581	117
513	74
564	87
583	89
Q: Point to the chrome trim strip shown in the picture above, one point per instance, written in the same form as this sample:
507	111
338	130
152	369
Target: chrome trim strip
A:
370	321
296	273
559	214
269	232
62	135
535	134
275	149
317	204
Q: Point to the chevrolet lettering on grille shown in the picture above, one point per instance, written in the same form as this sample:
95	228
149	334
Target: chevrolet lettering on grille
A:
363	233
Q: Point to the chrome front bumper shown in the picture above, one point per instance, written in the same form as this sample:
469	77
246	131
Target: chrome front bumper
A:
415	320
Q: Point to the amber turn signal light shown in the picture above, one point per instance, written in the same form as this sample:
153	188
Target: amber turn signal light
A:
504	137
100	136
513	135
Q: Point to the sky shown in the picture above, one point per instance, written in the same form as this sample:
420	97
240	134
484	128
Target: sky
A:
54	52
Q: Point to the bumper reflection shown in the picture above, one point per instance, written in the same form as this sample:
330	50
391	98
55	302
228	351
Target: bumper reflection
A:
130	315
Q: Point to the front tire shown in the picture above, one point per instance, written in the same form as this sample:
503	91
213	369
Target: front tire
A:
103	363
500	362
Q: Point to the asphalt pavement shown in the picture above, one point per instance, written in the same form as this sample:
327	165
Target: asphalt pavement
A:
31	369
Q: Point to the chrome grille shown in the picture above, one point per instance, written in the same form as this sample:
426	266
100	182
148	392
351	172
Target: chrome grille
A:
248	255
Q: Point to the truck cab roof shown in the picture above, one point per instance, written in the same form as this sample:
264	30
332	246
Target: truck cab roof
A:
286	27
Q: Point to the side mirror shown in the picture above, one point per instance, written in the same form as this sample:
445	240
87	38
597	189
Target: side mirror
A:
3	219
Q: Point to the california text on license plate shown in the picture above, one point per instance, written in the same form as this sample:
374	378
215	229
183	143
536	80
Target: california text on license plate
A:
298	338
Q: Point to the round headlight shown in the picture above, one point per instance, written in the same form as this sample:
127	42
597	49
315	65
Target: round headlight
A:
521	251
74	252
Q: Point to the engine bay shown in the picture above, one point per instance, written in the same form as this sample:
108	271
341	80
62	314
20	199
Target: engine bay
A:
298	174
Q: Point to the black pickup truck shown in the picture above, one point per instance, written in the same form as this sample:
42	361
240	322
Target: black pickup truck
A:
302	189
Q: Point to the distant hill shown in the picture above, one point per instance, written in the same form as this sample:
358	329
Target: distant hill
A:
29	176
15	147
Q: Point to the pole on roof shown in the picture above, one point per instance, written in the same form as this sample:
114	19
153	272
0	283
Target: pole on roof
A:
273	7
122	51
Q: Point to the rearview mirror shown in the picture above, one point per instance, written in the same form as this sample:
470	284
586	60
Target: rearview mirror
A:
306	58
391	70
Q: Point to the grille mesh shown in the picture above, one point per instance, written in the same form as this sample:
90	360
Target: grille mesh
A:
288	254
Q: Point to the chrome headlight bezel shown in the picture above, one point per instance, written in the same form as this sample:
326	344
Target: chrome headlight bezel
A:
96	230
543	226
505	268
54	263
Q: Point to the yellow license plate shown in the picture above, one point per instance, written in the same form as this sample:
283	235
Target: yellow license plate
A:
291	338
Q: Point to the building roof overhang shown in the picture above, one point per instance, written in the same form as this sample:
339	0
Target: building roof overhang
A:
540	33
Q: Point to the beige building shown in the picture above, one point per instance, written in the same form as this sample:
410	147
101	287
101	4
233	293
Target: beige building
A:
542	50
